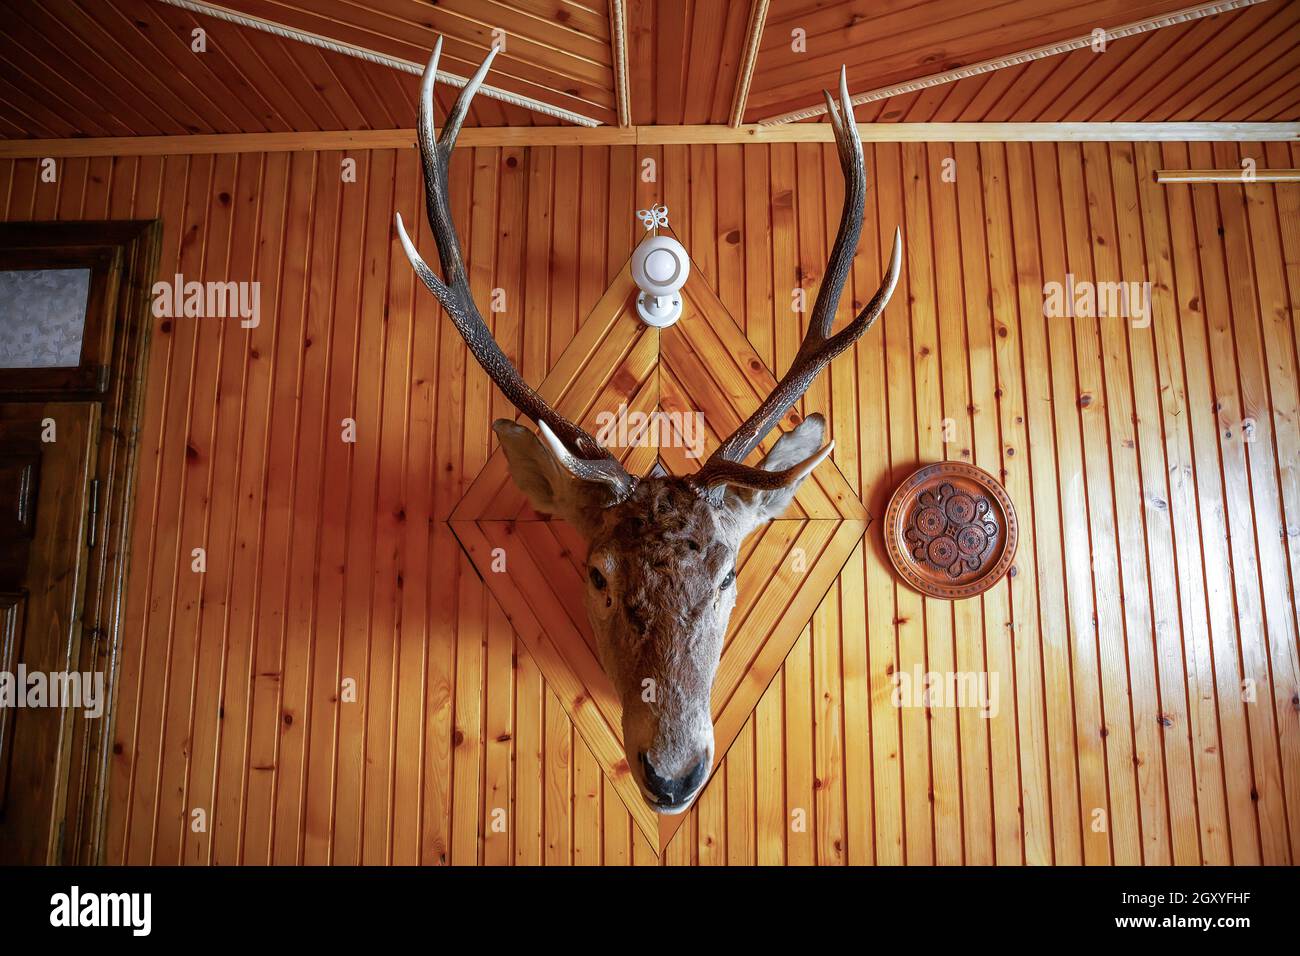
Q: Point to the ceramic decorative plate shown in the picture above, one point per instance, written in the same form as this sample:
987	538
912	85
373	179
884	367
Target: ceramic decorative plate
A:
951	530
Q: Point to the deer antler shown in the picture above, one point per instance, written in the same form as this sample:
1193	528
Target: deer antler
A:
819	345
572	446
718	471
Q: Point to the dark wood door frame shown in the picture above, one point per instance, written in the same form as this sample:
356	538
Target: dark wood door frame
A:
131	247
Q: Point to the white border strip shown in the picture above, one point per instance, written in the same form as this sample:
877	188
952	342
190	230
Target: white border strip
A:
1026	56
370	56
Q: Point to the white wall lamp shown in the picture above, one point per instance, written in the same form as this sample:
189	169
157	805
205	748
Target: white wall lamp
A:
660	268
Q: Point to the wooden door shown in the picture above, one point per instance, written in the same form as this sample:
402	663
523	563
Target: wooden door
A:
47	461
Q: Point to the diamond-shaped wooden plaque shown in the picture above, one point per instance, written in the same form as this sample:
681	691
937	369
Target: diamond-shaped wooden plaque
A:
702	363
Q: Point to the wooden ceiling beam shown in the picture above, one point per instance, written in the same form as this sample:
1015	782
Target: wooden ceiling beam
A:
652	136
373	56
753	37
1024	56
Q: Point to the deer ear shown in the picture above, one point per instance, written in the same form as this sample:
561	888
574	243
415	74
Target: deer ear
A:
550	488
790	449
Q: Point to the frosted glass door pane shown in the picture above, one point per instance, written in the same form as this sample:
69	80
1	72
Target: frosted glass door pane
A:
42	317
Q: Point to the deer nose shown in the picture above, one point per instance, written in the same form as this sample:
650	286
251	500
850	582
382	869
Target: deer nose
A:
672	791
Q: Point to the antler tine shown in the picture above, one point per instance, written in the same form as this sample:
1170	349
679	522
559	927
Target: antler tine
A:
581	451
819	345
849	147
718	471
606	470
435	156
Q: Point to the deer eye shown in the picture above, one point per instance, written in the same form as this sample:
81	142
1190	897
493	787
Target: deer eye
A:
597	579
728	581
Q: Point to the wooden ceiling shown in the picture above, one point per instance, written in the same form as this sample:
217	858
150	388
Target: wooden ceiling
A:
556	51
1240	66
77	68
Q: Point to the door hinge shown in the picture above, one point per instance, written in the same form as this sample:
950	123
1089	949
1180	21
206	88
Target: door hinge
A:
94	512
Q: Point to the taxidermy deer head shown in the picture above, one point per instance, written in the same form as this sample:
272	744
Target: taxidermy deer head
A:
661	566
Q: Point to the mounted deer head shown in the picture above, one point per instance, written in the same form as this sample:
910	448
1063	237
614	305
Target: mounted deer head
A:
661	578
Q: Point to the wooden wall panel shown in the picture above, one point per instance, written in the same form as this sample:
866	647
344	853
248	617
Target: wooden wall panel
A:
1145	646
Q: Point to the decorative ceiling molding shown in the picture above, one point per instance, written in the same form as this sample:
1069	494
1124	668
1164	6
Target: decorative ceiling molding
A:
618	44
372	56
1197	12
753	37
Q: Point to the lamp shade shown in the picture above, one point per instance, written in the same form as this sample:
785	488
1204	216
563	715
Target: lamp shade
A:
660	265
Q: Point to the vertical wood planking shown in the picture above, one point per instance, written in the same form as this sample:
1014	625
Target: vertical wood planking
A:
1156	463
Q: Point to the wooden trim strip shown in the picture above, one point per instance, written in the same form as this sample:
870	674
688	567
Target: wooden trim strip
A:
1024	56
975	133
1227	176
373	56
754	35
618	44
651	136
